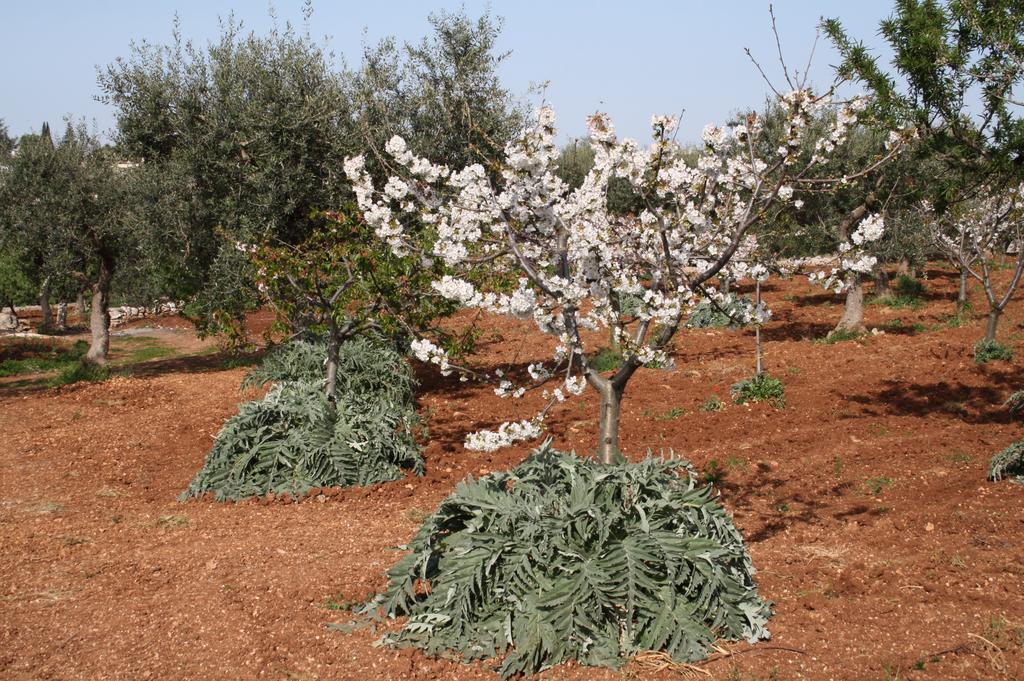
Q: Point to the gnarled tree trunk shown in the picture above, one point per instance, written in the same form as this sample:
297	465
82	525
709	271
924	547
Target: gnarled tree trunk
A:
62	316
44	307
853	311
80	308
99	319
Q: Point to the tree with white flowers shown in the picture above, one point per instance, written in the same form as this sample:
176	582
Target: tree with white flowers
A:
976	234
576	260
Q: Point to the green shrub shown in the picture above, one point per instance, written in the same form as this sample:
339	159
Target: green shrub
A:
909	287
709	316
366	368
988	351
712	404
606	359
563	558
897	301
294	438
1008	463
80	371
1015	402
840	336
760	388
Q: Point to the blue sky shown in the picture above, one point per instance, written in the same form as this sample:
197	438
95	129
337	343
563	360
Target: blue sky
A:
631	59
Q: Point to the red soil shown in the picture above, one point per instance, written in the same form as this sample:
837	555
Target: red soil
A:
864	504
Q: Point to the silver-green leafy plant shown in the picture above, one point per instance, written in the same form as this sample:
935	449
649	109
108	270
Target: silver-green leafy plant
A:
1008	464
296	438
565	558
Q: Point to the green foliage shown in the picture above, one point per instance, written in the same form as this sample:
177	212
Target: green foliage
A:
709	315
80	370
988	351
897	301
907	285
1015	402
295	438
606	359
33	357
712	404
840	336
1008	464
563	558
760	388
876	485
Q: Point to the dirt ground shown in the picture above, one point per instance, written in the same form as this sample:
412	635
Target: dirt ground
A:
864	503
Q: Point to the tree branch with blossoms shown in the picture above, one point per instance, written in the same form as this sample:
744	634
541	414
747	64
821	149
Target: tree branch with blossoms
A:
575	259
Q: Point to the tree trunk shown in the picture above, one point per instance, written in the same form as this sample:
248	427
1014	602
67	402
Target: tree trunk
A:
757	332
611	410
853	310
62	316
99	319
993	322
961	296
80	308
882	282
44	307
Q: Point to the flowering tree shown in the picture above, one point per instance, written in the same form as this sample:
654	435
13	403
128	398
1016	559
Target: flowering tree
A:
576	259
851	264
977	232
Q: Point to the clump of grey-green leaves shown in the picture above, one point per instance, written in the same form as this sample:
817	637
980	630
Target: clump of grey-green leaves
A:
1008	464
565	558
295	438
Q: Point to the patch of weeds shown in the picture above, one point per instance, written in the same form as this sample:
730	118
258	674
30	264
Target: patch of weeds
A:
782	507
606	359
840	336
36	357
736	462
954	407
878	430
957	562
989	351
897	301
793	370
713	472
80	371
149	352
712	404
1004	634
960	457
837	466
172	521
339	602
47	507
760	388
669	415
876	485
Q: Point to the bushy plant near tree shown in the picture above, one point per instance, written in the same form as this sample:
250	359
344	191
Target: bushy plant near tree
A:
563	558
732	311
761	388
1008	464
990	351
298	436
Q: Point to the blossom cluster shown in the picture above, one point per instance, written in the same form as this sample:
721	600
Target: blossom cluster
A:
853	257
